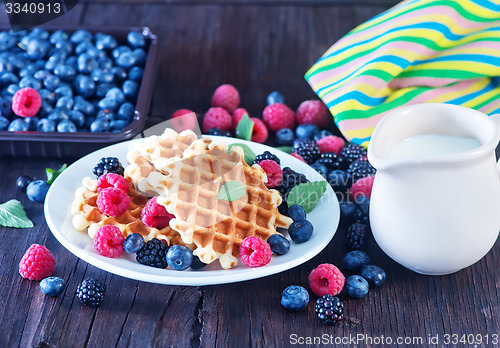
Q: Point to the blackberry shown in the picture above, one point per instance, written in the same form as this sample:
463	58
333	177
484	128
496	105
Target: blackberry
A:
362	210
108	165
309	150
289	180
91	292
153	254
352	152
333	161
330	309
266	155
219	132
360	169
355	236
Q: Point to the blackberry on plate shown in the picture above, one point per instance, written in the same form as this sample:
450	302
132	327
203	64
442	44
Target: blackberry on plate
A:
355	236
289	180
330	309
153	254
352	152
108	165
91	292
266	155
219	132
309	150
360	169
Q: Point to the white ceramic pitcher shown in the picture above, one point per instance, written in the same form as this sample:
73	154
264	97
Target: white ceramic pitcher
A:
437	214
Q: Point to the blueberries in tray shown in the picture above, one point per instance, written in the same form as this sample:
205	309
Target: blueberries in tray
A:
69	81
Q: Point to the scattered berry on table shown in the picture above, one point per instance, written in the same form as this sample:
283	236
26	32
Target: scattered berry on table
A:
355	260
294	297
300	231
179	257
309	150
296	213
259	132
238	115
37	190
227	97
284	137
347	212
362	214
273	171
297	156
306	130
360	169
52	286
331	143
153	254
352	152
374	275
217	117
108	165
320	168
182	119
356	286
362	187
326	279
275	97
108	241
330	309
91	292
26	102
266	155
37	263
356	235
112	201
339	181
315	112
155	215
181	112
331	160
255	252
22	182
197	263
112	180
133	243
219	132
279	244
278	116
323	133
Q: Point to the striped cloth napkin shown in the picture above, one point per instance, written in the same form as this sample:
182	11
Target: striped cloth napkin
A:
418	51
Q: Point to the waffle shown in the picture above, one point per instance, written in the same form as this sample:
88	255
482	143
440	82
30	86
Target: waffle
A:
217	226
86	215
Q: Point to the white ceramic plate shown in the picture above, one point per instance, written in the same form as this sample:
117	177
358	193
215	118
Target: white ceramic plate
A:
325	218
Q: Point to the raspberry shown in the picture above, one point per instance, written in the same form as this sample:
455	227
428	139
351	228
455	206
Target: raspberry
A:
181	112
238	115
37	263
184	119
326	279
362	187
26	102
296	155
112	180
278	116
273	171
155	215
255	252
217	117
331	143
315	112
108	241
227	97
112	201
259	133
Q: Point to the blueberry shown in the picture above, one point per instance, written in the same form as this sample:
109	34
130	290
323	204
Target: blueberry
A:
347	212
65	103
37	49
29	81
279	244
4	123
196	263
99	126
6	66
80	36
106	114
22	182
86	63
40	33
12	89
59	115
306	130
52	286
126	112
84	86
18	125
8	78
130	89
320	168
100	75
297	142
41	75
356	286
119	50
275	97
136	39
339	180
77	118
296	213
84	107
102	88
133	243
285	137
106	42
63	90
323	133
32	122
47	96
118	125
294	297
355	260
46	109
140	56
58	36
300	231
109	104
65	72
119	73
374	275
105	62
66	126
46	125
179	257
117	94
37	190
136	74
83	47
55	60
5	107
126	60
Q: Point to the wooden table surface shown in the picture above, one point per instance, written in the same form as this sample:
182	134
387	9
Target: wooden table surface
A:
259	46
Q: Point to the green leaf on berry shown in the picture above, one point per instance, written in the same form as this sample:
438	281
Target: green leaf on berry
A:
245	128
52	174
232	191
307	195
249	156
286	149
12	214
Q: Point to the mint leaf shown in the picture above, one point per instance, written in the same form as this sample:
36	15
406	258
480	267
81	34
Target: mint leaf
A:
12	214
52	174
245	128
231	191
286	149
249	155
307	195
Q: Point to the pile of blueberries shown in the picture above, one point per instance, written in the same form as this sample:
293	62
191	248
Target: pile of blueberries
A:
87	82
